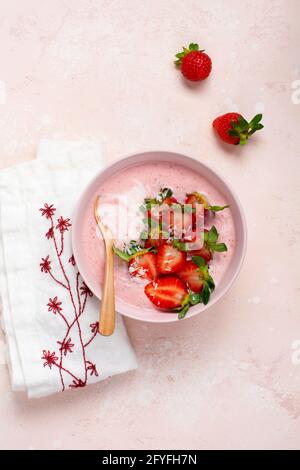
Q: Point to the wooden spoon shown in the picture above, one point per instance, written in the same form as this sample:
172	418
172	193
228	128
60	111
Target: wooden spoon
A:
107	317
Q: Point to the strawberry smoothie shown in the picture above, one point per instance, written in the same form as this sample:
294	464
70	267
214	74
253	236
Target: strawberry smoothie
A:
127	189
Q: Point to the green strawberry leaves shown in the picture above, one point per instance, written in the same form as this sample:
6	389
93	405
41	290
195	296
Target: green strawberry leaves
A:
185	51
159	199
219	247
217	208
164	193
210	240
183	311
194	298
131	250
122	254
208	282
244	129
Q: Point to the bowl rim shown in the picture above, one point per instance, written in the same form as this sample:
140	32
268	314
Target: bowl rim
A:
215	298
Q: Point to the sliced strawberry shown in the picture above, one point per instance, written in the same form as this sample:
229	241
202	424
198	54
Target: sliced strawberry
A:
191	199
168	292
143	266
192	276
155	238
170	200
194	239
210	245
169	259
172	220
204	252
154	242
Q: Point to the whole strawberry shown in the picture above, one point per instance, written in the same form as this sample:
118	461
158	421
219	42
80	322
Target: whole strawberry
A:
232	128
195	65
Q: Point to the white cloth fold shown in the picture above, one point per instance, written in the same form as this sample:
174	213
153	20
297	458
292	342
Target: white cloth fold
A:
48	314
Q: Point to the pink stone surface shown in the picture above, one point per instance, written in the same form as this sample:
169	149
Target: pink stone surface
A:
101	69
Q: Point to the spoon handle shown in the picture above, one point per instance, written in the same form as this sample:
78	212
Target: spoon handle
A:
107	310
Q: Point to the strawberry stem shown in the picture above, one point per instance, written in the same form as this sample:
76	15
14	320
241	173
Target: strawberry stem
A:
244	129
192	47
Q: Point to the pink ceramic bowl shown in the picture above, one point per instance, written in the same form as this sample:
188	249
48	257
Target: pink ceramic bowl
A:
153	315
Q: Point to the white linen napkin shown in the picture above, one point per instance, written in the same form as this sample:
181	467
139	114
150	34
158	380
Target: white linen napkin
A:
49	316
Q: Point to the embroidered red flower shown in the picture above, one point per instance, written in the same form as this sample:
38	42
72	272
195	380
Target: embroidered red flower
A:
77	383
50	233
66	346
63	224
48	211
85	290
45	265
54	306
72	260
49	358
92	368
94	327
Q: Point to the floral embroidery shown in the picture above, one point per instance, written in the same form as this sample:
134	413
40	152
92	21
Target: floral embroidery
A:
94	327
92	368
50	233
49	358
54	306
77	383
45	265
85	290
66	346
63	224
72	260
78	297
48	211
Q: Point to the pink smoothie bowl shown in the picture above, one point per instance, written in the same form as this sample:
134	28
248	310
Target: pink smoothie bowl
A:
230	275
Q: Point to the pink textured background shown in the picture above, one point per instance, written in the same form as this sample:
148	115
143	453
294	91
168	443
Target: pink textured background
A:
103	69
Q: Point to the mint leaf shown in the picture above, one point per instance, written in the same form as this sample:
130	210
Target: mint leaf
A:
205	294
164	193
144	235
219	247
212	235
183	311
195	298
217	208
122	254
199	261
181	246
210	282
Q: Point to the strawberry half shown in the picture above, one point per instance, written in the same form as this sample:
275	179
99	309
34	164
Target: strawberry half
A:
204	252
155	238
143	266
210	245
169	259
170	200
168	292
197	198
192	276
